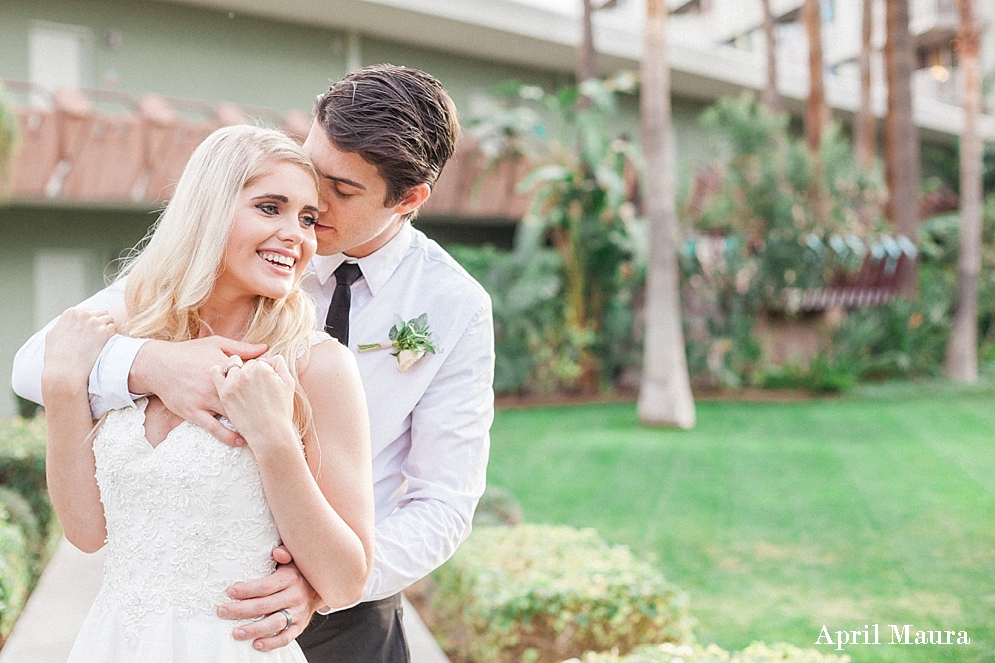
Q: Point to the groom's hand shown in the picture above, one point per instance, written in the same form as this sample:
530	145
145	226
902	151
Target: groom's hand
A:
262	600
179	374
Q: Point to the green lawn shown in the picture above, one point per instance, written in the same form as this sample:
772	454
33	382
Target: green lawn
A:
779	518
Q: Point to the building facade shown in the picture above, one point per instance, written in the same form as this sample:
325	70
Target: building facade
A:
150	76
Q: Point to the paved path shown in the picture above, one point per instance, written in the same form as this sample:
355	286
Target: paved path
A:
48	626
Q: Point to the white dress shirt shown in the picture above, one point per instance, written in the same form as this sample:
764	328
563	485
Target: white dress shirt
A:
429	425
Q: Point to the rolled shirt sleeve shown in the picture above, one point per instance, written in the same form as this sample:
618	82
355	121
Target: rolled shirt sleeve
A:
109	378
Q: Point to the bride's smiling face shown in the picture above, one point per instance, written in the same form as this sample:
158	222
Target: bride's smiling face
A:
272	237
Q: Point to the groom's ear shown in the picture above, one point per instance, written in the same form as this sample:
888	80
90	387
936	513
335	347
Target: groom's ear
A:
417	195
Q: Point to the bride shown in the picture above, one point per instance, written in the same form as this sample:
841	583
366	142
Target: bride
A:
183	515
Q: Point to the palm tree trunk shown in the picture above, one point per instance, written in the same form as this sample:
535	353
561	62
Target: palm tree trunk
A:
863	123
901	137
816	111
665	393
771	97
587	58
962	350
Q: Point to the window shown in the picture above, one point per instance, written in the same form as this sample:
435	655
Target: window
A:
60	281
59	56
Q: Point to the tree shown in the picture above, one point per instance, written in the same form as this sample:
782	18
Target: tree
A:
816	111
587	54
587	59
901	136
665	393
771	97
863	122
962	350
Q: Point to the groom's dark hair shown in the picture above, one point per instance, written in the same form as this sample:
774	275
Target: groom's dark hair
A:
400	120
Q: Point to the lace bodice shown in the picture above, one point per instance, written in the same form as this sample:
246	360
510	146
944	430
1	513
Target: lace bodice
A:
185	519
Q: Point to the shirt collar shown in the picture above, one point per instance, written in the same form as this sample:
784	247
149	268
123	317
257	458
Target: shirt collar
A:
377	267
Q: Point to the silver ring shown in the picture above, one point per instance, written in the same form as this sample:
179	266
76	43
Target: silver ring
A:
290	620
227	368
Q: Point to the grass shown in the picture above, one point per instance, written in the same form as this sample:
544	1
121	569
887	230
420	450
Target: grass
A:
779	518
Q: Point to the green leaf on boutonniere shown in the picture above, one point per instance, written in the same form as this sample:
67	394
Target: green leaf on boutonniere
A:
412	335
410	341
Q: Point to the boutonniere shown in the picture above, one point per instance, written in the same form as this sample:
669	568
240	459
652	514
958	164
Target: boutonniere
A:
410	340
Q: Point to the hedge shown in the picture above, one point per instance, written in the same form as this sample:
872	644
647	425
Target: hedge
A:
540	594
15	574
757	652
28	527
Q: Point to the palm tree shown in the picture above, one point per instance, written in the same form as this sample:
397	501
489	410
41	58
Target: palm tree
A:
771	97
665	393
863	122
816	111
962	350
587	58
901	136
587	54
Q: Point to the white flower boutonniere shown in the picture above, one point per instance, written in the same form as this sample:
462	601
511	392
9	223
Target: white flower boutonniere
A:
410	340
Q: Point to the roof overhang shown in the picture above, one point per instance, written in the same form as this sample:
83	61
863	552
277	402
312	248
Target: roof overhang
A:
539	37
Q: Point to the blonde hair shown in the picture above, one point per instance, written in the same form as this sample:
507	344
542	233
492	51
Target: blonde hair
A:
172	276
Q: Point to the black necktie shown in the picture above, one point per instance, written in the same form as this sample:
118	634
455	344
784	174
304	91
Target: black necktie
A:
337	320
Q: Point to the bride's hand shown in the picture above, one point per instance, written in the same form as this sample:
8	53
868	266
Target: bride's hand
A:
72	346
258	397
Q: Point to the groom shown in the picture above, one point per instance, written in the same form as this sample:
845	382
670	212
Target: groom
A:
379	141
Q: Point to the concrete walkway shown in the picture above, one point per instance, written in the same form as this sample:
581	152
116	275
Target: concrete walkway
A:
47	628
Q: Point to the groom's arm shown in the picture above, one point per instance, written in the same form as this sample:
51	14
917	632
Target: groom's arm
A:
446	470
108	386
176	372
446	466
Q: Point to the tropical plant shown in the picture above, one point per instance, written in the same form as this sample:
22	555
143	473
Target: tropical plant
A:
581	207
8	143
532	351
755	242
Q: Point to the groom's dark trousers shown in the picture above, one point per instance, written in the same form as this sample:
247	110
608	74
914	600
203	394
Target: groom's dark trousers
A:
366	633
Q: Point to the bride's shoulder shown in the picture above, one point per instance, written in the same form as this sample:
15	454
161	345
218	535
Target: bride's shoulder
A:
325	359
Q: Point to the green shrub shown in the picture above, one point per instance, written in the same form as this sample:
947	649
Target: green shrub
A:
534	350
29	529
497	507
25	408
902	338
22	464
15	574
22	516
822	375
757	652
540	594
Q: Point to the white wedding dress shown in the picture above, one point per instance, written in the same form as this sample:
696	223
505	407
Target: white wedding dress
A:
185	520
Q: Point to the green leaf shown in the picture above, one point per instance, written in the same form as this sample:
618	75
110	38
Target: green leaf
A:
550	173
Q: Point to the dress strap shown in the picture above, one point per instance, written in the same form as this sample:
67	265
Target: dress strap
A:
313	339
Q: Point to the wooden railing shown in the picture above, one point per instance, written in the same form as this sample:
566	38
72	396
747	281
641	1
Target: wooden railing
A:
81	146
73	147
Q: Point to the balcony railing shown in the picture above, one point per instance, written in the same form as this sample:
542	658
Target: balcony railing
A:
73	147
106	147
